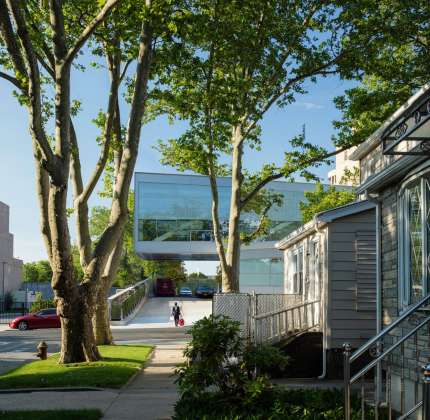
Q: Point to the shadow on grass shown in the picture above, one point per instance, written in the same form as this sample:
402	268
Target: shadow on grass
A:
51	415
98	376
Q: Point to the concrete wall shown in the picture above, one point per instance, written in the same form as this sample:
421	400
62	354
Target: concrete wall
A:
10	267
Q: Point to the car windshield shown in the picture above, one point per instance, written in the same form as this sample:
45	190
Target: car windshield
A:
46	312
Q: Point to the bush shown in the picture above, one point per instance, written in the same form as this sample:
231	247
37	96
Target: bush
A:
271	404
41	303
218	360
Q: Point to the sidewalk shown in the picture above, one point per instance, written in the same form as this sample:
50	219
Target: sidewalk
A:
150	395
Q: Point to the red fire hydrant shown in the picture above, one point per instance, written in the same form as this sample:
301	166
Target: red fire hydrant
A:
42	350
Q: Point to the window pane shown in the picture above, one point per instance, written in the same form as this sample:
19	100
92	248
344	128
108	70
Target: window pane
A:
415	242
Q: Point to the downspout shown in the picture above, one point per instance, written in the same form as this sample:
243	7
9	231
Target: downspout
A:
323	329
376	200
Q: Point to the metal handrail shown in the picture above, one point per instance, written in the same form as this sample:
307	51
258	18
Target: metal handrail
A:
349	358
411	411
389	328
393	347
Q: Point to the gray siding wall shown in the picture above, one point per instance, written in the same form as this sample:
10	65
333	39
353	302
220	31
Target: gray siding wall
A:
351	312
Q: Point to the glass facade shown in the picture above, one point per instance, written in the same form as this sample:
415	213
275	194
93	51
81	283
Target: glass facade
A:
182	212
173	220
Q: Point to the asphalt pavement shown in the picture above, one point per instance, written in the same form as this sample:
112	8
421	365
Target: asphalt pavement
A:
151	325
17	347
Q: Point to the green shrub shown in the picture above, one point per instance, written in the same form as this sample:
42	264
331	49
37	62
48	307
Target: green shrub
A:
270	404
218	360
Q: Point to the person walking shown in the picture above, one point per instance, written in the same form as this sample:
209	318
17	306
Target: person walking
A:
176	313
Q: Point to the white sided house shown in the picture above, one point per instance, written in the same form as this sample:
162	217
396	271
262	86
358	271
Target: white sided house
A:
332	259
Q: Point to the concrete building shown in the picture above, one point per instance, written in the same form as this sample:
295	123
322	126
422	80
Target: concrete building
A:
395	174
332	260
343	163
10	267
173	221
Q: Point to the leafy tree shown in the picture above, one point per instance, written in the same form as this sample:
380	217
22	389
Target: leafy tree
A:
40	46
39	271
132	268
395	65
324	199
238	61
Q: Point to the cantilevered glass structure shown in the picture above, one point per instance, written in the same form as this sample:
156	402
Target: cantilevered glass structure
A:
173	221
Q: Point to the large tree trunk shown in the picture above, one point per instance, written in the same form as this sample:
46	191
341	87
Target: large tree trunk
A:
216	223
101	319
231	280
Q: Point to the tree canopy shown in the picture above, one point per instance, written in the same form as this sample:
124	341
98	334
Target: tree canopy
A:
324	198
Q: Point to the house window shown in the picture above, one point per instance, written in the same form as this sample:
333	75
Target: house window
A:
297	271
414	240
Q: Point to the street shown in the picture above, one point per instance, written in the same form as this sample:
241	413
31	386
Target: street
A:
17	347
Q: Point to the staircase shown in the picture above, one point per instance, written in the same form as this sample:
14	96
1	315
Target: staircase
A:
399	352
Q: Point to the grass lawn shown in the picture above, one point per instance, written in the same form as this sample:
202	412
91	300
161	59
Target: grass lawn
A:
118	365
52	415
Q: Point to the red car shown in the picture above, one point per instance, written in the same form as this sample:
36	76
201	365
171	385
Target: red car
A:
165	287
46	318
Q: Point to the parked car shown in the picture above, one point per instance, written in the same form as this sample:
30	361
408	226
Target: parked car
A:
46	318
204	292
185	291
165	287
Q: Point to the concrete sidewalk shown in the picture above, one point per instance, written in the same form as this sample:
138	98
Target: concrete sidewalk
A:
151	395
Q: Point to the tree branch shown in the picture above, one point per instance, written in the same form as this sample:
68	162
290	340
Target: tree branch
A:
87	32
279	175
10	39
12	80
34	93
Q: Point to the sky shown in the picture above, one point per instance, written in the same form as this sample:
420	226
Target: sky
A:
17	183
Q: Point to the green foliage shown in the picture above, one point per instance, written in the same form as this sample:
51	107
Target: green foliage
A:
395	35
132	268
119	363
218	360
266	359
39	271
41	303
324	199
270	404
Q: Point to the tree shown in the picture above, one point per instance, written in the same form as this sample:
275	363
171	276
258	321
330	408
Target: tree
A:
324	199
132	268
395	65
39	271
40	45
237	62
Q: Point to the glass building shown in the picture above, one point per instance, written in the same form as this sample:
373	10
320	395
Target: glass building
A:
173	221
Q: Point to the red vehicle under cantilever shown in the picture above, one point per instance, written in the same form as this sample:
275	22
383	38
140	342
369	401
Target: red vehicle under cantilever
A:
165	287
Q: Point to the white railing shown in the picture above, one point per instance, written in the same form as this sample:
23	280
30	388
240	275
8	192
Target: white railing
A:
281	324
124	303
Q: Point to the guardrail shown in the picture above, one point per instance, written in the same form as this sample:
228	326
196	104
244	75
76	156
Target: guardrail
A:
124	303
383	346
275	326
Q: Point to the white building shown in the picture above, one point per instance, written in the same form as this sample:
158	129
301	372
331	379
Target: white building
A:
10	267
343	163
